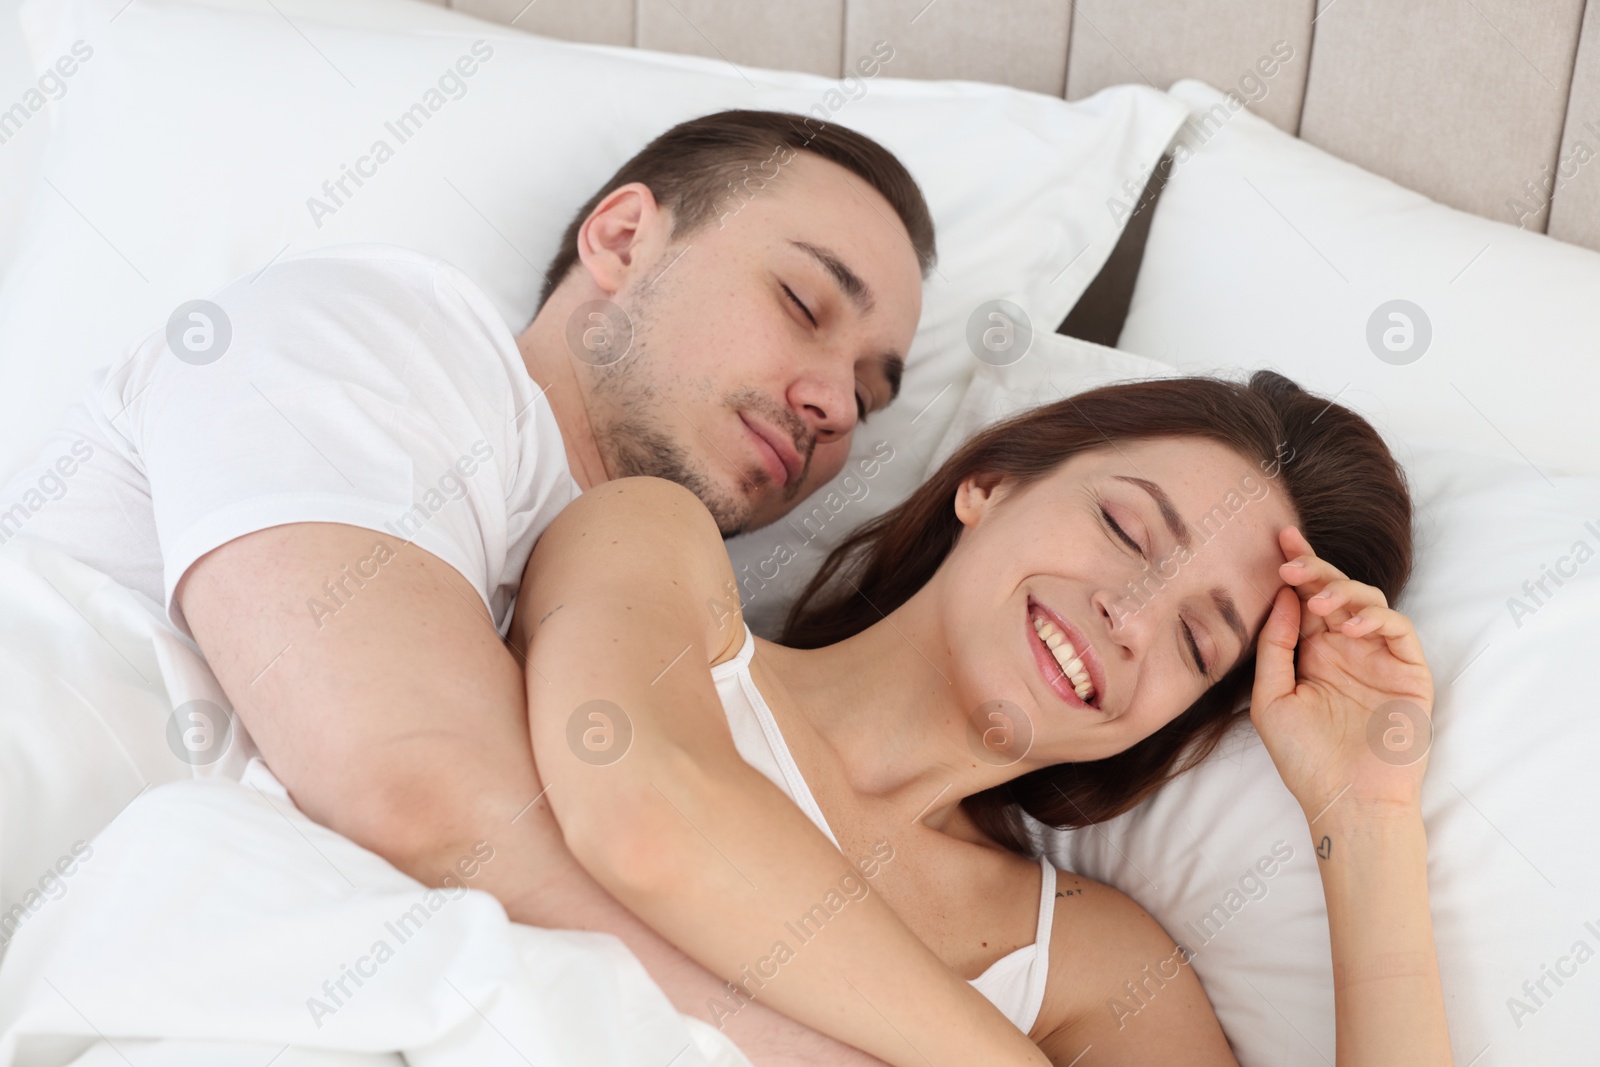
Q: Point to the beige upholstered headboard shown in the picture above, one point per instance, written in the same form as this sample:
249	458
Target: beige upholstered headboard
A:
1491	106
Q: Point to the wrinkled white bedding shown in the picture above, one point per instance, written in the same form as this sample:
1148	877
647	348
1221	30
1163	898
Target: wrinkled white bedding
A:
212	923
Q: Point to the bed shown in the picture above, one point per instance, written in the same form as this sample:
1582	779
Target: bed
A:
1393	204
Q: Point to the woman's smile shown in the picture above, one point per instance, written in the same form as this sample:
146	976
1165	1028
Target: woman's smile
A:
1065	658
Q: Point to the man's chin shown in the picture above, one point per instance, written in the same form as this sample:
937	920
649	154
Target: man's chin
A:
747	519
773	505
735	512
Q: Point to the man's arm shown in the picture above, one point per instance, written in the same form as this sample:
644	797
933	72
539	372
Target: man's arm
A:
400	721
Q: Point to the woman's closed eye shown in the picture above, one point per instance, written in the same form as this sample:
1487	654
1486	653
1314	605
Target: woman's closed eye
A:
1194	649
1121	533
1188	633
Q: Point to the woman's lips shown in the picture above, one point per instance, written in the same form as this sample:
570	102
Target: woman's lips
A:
1058	682
769	456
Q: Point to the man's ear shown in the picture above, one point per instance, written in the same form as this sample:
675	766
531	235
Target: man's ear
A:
625	230
977	495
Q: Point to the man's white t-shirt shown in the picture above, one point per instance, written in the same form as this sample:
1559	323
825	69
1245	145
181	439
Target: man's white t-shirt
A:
366	385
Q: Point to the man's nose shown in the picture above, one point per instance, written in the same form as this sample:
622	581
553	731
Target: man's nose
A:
826	403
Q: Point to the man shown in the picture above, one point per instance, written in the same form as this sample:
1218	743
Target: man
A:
333	475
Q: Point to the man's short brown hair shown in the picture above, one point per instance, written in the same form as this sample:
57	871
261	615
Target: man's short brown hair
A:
701	170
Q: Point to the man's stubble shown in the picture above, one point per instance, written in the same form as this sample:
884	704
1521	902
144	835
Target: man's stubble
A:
633	422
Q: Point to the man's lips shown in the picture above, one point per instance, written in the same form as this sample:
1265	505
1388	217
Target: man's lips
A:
777	453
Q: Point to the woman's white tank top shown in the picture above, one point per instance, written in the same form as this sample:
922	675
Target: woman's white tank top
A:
1015	984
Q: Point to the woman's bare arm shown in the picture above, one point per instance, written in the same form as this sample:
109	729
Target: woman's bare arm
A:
569	898
625	602
1347	723
1386	985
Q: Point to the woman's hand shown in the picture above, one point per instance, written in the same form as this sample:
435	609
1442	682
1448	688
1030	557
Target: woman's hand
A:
1348	720
1348	727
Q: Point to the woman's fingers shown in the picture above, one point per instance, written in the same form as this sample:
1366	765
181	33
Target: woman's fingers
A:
1310	577
1302	567
1330	601
1328	596
1341	598
1396	630
1307	576
1309	572
1275	677
1294	543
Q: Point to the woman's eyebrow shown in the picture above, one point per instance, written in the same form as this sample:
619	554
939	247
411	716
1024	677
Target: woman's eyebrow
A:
1230	615
1225	605
1169	514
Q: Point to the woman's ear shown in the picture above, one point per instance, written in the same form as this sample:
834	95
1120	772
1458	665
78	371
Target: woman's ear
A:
977	495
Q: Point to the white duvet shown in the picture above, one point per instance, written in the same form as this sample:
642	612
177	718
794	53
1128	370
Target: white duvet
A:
212	923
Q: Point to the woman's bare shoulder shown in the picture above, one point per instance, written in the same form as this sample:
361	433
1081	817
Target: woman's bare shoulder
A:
1112	963
646	542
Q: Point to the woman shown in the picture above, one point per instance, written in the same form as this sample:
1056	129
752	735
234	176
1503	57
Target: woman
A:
1066	615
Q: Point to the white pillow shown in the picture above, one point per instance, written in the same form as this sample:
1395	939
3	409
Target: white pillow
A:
19	163
1510	775
1056	367
189	144
1268	252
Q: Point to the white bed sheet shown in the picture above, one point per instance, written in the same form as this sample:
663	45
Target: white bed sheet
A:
202	924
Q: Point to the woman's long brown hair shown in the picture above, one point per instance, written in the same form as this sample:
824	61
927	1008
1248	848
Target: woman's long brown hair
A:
1348	491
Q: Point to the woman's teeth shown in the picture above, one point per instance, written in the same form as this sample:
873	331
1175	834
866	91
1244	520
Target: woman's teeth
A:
1066	656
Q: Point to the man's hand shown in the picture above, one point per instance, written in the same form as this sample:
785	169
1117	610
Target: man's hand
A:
395	715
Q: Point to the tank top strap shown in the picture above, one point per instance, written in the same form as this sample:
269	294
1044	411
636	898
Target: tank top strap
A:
741	659
1047	904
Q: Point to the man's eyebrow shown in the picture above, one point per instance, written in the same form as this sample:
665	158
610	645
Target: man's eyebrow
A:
849	281
1180	531
894	368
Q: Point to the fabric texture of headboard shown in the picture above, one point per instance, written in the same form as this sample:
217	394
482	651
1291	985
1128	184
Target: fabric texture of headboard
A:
1490	106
